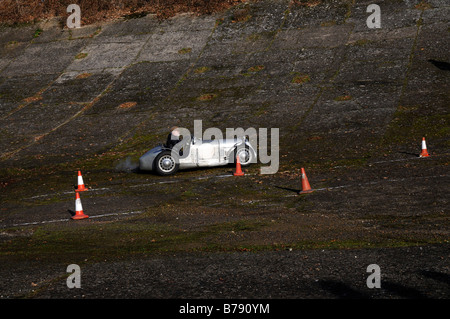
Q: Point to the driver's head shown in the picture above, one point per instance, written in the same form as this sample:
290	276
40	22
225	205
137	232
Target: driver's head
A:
175	132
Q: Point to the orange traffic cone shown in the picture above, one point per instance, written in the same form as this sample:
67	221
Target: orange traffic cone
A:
78	208
81	187
239	171
305	184
424	152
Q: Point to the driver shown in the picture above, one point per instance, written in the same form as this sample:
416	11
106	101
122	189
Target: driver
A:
173	138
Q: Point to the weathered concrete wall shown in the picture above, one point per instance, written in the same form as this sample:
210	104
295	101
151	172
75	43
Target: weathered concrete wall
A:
343	96
61	92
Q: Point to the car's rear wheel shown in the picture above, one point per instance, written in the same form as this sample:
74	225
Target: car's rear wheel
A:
166	163
245	156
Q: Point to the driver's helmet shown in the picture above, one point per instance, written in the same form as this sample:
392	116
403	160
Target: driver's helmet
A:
175	132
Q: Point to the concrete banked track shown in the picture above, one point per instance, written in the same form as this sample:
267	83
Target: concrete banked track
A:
351	103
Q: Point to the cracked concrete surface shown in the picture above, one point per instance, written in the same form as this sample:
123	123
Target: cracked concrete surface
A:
356	99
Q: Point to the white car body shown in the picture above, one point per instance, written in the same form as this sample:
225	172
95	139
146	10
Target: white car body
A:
201	153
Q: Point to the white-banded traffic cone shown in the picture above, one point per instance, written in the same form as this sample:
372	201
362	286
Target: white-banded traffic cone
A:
81	187
79	214
424	152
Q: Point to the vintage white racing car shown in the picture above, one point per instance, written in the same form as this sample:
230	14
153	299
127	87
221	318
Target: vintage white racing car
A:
198	153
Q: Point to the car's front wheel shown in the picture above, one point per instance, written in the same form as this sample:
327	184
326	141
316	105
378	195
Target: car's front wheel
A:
166	163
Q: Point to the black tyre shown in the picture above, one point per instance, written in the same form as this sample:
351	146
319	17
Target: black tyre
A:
166	164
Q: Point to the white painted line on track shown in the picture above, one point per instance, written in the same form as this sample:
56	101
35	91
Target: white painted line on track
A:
290	195
217	176
374	183
399	160
37	223
69	219
65	193
132	186
116	214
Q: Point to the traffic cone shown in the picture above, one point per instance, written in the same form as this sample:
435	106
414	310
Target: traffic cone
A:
238	171
306	188
81	187
424	152
78	208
